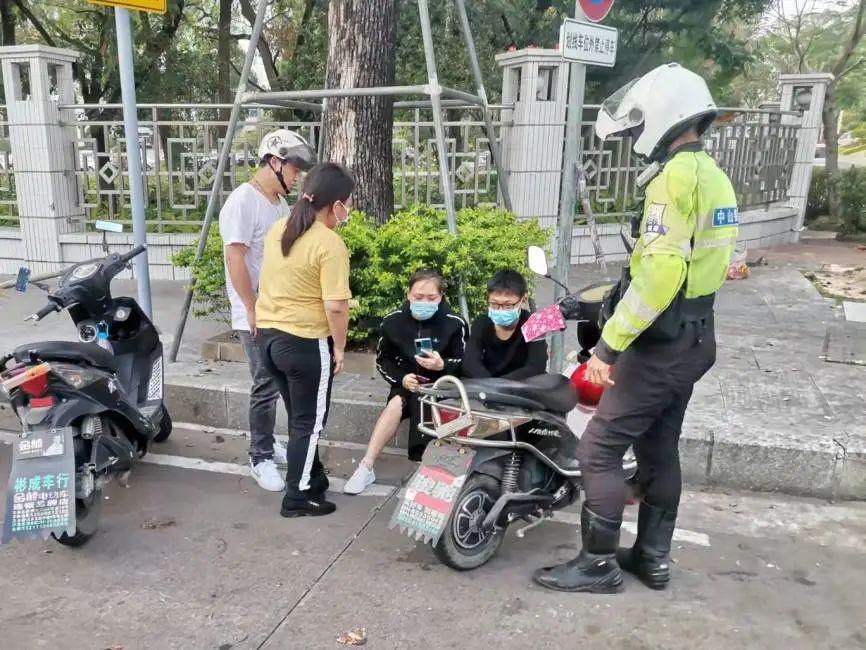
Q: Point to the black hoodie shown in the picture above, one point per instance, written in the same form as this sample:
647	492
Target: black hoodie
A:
395	354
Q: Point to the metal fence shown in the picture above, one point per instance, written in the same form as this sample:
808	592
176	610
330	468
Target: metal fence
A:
8	198
180	144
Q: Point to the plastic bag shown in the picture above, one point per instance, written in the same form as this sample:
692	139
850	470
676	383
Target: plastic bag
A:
737	268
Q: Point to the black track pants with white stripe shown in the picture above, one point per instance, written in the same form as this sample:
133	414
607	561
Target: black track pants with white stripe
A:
304	372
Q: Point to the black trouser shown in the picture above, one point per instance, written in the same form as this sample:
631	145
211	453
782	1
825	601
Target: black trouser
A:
304	372
645	407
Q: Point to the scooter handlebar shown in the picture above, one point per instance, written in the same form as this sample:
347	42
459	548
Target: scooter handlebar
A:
51	307
138	250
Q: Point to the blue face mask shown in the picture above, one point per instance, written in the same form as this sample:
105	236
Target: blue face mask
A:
423	310
504	317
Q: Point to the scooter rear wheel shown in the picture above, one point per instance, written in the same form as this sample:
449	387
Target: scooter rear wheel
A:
87	514
463	545
165	427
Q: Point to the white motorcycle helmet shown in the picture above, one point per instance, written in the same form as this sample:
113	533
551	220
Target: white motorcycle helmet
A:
657	108
289	147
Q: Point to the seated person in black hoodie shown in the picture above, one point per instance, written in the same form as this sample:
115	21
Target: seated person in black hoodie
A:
425	315
496	346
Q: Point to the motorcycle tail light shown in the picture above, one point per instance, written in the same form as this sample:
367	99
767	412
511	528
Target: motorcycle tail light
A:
75	376
36	387
33	380
447	415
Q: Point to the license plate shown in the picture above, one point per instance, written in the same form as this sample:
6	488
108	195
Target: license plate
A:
430	495
40	498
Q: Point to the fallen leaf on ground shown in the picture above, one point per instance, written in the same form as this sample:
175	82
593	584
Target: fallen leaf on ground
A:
157	524
358	636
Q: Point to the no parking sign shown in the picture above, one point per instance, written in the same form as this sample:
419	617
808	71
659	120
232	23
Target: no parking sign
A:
596	10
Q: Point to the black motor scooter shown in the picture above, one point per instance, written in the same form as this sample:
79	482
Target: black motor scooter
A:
494	461
91	407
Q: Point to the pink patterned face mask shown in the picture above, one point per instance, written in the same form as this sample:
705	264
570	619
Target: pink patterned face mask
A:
542	323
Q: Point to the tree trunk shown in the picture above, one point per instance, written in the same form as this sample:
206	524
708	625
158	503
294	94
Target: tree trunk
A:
831	140
7	19
358	130
224	44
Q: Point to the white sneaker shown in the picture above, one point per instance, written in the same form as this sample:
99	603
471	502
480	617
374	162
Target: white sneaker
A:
280	453
267	476
363	478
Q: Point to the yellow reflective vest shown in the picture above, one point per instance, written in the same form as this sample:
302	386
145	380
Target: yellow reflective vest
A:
687	235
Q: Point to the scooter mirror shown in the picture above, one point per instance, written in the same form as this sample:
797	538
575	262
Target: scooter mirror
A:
537	261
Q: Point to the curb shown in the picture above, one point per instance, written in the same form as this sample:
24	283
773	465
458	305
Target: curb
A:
710	455
713	452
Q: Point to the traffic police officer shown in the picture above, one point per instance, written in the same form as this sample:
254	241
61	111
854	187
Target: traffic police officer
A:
659	339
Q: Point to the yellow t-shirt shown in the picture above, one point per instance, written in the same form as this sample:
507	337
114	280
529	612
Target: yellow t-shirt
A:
293	289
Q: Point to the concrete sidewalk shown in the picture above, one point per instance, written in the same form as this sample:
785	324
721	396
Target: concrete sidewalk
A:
771	415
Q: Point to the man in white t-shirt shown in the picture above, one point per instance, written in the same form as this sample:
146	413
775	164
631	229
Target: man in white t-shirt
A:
245	219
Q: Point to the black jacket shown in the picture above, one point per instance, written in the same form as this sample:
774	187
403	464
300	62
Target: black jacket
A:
488	356
395	354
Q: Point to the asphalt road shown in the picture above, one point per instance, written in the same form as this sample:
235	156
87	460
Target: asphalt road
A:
199	558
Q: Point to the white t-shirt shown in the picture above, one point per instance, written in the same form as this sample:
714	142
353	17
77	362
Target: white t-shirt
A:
245	219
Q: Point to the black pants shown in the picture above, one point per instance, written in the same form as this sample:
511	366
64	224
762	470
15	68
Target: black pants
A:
645	407
303	370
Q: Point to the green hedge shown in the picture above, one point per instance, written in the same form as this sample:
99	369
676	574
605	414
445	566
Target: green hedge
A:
817	204
853	196
383	257
853	201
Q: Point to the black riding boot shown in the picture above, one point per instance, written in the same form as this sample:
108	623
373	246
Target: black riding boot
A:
649	558
595	570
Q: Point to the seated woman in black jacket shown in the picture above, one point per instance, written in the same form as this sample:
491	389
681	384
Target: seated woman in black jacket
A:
427	319
496	347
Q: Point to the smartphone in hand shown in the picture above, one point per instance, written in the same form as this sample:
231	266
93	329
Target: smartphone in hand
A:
424	347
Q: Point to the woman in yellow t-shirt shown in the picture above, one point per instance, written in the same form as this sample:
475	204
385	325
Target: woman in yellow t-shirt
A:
302	316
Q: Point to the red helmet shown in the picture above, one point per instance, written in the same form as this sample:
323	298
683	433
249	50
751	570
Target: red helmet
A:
588	394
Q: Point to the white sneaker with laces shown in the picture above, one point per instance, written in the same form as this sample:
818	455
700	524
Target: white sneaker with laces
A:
267	476
363	478
280	453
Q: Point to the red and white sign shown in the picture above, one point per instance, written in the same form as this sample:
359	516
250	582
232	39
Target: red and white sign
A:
596	10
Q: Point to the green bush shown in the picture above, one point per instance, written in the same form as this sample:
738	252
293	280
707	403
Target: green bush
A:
210	283
383	258
817	204
853	188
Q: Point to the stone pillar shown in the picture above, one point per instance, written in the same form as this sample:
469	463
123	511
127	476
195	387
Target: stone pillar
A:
37	80
535	81
803	93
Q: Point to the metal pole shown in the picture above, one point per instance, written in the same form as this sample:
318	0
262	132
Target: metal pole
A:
572	157
220	172
373	91
133	154
435	92
466	29
322	143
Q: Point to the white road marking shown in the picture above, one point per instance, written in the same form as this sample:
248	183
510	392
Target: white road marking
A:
187	462
184	462
680	534
241	433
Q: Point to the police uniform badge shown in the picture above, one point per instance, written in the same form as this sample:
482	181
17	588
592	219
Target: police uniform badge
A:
654	225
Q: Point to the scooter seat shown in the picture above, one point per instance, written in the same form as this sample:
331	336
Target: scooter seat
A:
548	392
69	351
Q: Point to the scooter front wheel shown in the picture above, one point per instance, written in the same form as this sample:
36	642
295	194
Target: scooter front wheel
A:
464	545
87	514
